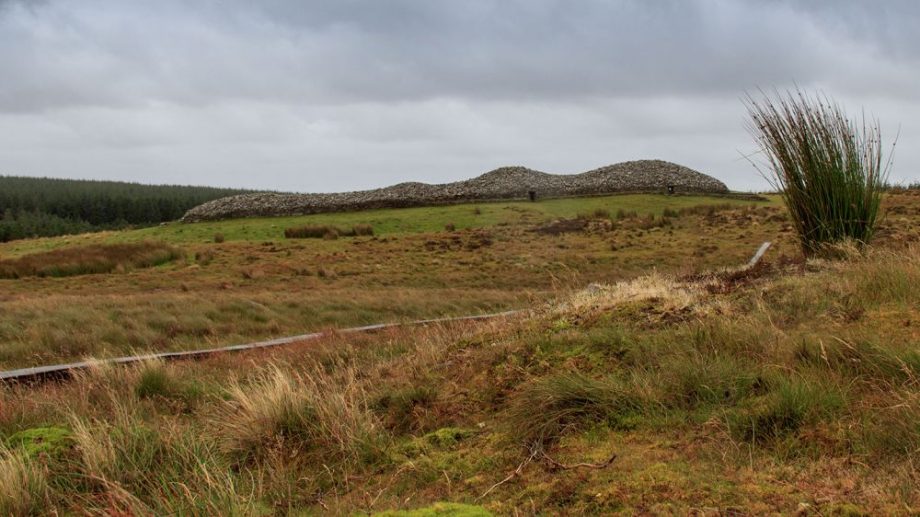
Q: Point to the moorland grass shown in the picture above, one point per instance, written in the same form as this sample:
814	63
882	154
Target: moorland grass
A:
708	394
716	394
23	485
236	292
154	381
327	231
543	410
314	414
400	406
790	405
243	290
828	169
86	260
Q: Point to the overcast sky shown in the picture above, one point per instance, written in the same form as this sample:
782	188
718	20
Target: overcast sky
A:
351	94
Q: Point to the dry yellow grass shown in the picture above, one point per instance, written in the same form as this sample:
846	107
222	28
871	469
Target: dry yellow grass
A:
22	484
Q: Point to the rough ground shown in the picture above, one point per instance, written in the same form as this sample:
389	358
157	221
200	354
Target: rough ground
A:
685	390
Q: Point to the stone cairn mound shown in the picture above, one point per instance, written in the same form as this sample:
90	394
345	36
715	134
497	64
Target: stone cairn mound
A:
501	183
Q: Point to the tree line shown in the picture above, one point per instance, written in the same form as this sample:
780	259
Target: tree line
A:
45	207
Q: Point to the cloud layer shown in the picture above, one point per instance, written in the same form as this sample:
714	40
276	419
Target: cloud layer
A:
325	96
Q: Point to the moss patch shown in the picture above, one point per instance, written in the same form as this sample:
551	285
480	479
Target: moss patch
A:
51	441
447	436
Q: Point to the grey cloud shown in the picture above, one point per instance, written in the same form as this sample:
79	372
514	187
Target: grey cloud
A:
355	93
69	53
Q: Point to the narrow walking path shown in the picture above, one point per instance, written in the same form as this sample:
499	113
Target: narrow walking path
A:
61	371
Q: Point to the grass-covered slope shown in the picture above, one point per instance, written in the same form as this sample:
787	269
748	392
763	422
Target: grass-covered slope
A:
792	387
256	284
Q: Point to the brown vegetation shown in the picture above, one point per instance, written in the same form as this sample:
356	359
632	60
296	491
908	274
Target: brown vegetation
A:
327	232
97	259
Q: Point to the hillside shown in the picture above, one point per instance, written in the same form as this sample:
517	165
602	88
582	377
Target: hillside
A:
421	262
647	375
503	183
44	207
791	388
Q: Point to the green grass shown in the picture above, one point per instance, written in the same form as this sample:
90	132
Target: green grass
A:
828	169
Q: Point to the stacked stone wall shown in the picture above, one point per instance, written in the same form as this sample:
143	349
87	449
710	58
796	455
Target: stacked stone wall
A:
502	183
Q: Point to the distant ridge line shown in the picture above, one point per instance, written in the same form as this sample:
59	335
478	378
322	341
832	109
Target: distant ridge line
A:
514	182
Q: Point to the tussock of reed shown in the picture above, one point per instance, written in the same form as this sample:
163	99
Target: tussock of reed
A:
828	169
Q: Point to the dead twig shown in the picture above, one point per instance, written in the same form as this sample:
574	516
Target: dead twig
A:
409	466
516	472
561	466
555	464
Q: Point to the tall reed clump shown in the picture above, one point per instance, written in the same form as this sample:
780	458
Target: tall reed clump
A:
828	169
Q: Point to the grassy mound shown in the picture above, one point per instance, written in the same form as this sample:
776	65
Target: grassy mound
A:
245	282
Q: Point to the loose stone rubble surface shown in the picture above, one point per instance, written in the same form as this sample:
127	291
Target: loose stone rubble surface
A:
502	183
